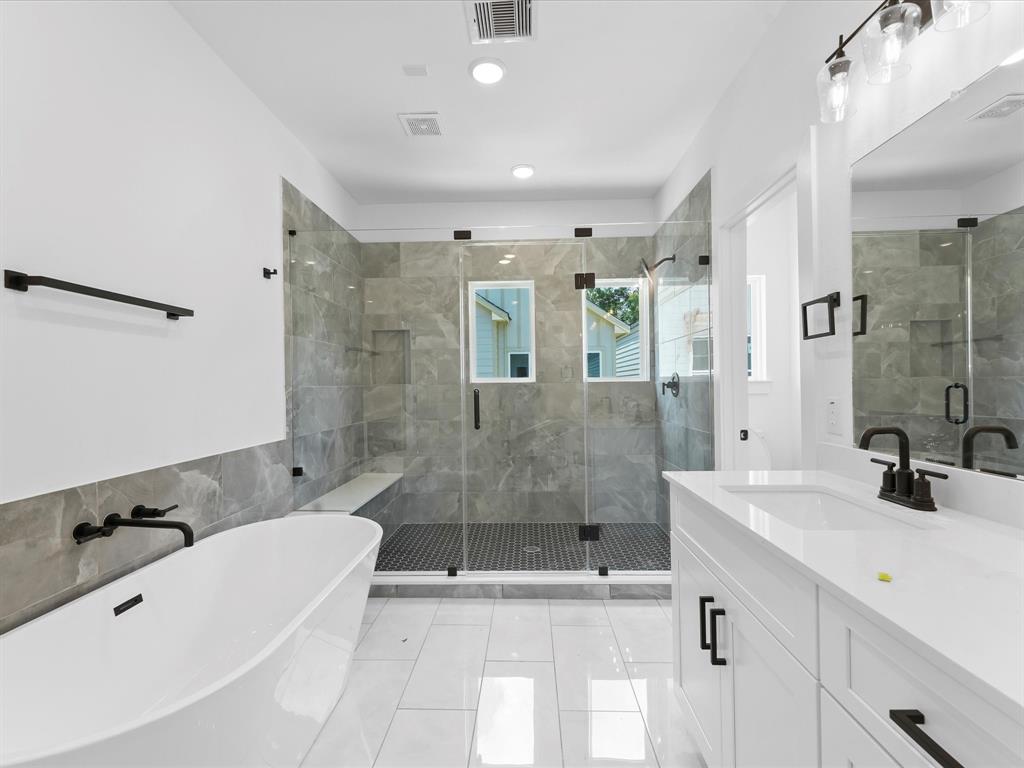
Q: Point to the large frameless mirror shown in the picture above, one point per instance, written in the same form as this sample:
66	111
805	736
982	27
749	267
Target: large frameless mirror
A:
938	280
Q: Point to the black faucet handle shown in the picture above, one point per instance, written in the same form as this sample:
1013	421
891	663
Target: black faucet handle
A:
888	476
141	512
923	473
889	465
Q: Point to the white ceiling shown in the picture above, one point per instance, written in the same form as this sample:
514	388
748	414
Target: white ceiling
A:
947	150
603	101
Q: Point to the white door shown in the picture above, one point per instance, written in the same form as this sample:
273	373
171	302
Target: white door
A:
698	682
844	743
769	701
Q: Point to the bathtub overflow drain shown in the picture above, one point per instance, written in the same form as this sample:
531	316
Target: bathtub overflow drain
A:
531	550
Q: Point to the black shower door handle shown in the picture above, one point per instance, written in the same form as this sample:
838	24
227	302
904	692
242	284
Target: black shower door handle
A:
476	409
966	403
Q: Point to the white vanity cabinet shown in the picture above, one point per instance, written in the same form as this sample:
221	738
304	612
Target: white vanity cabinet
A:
774	668
751	703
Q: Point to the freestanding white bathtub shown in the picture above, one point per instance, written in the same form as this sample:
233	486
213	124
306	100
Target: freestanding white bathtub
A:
236	655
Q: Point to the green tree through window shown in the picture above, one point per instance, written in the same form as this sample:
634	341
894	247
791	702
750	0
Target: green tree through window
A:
620	301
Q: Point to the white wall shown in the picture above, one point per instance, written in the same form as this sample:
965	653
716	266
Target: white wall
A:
135	161
506	220
774	405
767	121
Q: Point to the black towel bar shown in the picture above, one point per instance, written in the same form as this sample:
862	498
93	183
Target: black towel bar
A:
19	281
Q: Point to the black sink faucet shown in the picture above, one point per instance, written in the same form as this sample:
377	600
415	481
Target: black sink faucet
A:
84	532
904	485
899	485
967	445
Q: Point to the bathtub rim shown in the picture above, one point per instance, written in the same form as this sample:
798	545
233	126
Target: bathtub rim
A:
14	759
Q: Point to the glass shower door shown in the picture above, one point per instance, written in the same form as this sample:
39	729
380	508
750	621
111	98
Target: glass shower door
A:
524	407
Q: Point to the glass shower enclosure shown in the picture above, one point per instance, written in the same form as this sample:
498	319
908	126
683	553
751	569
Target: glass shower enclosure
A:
513	387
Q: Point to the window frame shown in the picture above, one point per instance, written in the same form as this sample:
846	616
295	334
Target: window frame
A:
757	319
643	331
472	286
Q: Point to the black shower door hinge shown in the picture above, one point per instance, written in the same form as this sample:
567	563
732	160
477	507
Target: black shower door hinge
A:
590	532
584	280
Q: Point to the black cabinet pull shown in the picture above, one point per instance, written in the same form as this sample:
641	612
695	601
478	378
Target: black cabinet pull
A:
713	614
476	409
966	404
703	601
910	722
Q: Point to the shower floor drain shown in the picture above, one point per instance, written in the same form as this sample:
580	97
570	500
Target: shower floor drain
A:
531	550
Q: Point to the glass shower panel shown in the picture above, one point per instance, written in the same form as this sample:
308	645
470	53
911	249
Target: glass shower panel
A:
911	366
524	401
621	424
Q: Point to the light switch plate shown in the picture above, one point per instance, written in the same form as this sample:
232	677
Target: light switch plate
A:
832	425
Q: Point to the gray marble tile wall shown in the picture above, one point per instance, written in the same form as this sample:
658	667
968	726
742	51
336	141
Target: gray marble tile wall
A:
915	346
997	288
42	568
684	427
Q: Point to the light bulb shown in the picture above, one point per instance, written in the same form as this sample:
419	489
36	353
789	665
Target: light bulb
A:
885	38
834	90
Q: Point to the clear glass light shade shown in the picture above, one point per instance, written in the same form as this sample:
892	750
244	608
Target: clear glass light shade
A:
885	38
834	90
957	14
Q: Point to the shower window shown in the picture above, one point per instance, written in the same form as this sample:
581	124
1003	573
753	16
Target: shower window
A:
684	328
615	322
501	331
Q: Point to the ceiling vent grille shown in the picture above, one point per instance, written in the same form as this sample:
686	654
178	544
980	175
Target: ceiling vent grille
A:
420	123
503	21
1005	107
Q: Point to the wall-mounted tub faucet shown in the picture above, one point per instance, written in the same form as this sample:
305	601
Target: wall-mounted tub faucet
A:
967	445
84	532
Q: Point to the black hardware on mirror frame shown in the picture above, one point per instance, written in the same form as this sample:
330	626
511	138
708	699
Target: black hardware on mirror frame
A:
672	385
268	273
476	409
863	299
713	614
910	721
584	280
966	404
462	234
702	605
19	281
832	300
583	232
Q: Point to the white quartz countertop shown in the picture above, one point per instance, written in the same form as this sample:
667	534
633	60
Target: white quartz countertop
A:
957	590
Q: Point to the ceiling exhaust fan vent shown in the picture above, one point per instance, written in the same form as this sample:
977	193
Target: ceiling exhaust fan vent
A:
1005	107
504	21
420	123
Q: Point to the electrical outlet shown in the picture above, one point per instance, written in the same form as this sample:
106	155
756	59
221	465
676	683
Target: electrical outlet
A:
832	416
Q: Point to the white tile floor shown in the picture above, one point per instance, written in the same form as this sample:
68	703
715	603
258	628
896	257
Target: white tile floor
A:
455	683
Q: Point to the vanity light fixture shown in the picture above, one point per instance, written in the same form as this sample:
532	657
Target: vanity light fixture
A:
522	171
886	35
834	86
487	71
957	14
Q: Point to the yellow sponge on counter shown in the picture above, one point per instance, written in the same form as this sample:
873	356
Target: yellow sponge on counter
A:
883	576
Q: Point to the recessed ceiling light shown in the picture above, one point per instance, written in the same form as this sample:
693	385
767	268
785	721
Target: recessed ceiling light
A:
510	255
1013	58
487	71
522	171
504	261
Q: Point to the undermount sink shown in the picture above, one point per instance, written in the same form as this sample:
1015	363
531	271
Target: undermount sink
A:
815	508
